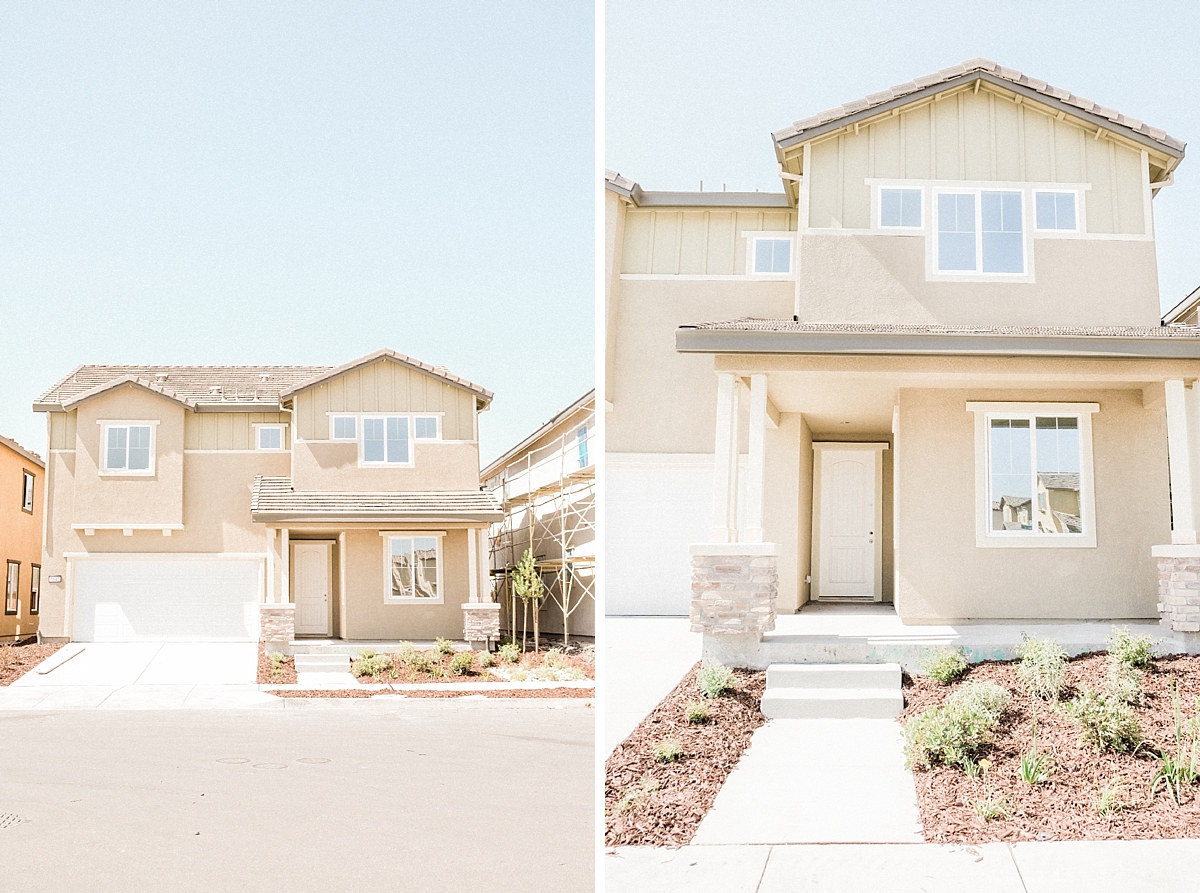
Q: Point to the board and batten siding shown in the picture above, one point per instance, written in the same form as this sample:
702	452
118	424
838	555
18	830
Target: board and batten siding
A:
228	430
677	242
977	136
385	386
62	430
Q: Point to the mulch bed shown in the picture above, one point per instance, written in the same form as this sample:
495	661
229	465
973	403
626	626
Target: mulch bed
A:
19	658
1063	808
286	674
647	803
427	693
583	661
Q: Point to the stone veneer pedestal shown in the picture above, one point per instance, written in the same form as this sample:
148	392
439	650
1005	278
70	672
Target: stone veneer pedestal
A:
277	627
734	586
481	622
1179	589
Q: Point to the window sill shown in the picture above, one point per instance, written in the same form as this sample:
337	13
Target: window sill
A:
413	601
1047	541
127	474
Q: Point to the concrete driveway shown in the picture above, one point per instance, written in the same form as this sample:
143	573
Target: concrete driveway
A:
118	664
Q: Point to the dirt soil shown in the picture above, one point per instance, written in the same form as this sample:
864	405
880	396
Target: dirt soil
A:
286	674
446	693
584	661
18	659
647	803
1064	808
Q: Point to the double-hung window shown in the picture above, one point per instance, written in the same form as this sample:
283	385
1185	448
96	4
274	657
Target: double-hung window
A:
980	232
12	604
414	569
128	448
27	491
385	440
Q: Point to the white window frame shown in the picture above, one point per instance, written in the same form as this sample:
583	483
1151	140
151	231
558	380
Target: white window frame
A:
12	588
28	484
934	274
877	209
437	421
281	428
362	461
105	425
756	236
1052	233
333	417
35	589
987	538
388	536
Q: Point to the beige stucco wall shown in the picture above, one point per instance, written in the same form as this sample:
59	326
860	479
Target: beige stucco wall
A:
333	465
881	279
944	576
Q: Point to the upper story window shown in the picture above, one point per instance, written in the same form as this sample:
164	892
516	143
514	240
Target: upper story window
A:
27	491
581	440
385	441
900	208
427	427
980	231
1055	211
770	255
343	427
128	448
269	437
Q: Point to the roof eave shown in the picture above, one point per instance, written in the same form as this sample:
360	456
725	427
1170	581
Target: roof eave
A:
580	404
379	517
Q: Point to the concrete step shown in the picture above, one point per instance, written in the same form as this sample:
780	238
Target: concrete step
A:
833	676
322	663
832	703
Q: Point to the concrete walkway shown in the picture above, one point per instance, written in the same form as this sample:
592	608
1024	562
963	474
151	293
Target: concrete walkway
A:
1151	866
644	658
830	781
117	664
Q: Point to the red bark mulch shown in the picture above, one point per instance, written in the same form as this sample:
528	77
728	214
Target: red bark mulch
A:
428	693
647	803
402	673
1063	808
286	674
19	658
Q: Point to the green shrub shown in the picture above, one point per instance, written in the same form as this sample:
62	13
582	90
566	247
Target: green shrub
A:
405	652
635	795
1132	651
954	732
1179	768
485	659
1110	799
462	663
1105	723
1043	667
715	680
993	806
556	659
696	712
433	661
668	750
443	646
944	664
510	652
419	661
1123	682
370	664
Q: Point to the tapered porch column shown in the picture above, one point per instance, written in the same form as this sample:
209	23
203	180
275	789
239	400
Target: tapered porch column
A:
725	461
752	517
1183	513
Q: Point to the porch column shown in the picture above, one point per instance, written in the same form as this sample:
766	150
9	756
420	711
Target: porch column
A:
725	459
1183	514
270	593
756	466
472	567
485	566
285	559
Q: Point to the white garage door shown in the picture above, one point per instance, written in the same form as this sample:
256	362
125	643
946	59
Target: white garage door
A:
165	600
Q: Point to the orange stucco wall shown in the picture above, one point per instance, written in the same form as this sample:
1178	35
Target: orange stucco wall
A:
20	539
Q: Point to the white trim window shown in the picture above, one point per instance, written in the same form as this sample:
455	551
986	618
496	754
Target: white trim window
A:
901	208
980	233
269	438
343	427
127	448
1056	211
1034	474
386	440
427	427
770	254
35	588
27	491
12	600
413	569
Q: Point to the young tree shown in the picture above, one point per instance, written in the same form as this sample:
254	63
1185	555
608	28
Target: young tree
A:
528	585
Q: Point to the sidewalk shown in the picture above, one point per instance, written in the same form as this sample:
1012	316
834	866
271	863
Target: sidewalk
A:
644	658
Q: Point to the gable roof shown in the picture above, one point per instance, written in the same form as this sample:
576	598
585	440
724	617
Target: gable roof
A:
327	373
965	73
21	451
587	401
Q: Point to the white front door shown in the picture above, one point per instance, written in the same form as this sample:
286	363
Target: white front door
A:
847	517
310	587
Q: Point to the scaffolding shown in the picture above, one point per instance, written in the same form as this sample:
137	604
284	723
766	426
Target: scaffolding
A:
549	497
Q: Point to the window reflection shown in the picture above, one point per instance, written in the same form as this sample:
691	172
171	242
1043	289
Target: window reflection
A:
1034	481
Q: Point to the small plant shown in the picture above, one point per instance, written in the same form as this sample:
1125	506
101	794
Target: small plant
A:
433	661
1180	768
556	659
970	768
696	712
419	661
1105	723
462	663
370	664
510	652
1111	799
485	659
634	795
1035	768
1123	682
669	750
945	664
276	658
1136	652
993	806
405	652
443	646
528	587
1043	667
715	680
954	732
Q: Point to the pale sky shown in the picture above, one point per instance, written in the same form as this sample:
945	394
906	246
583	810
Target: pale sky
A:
694	89
299	182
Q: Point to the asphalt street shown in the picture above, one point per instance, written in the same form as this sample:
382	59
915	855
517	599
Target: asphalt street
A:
322	796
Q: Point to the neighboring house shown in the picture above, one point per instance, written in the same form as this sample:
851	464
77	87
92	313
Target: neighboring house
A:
547	486
856	388
21	501
233	503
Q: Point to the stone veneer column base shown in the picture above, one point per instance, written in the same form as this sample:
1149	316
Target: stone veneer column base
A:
277	627
734	586
1179	589
481	622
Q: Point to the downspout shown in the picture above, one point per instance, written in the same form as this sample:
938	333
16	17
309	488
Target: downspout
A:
798	179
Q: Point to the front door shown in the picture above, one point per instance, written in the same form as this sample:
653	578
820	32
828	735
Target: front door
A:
310	587
847	517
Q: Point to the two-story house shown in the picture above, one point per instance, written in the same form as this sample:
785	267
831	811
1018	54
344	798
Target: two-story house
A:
239	503
931	371
21	479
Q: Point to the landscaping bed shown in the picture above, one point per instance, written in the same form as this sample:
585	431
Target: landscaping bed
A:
436	693
652	802
410	665
280	671
19	658
1067	805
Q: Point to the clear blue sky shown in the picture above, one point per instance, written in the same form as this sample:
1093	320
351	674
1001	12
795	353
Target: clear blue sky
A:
299	182
694	89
